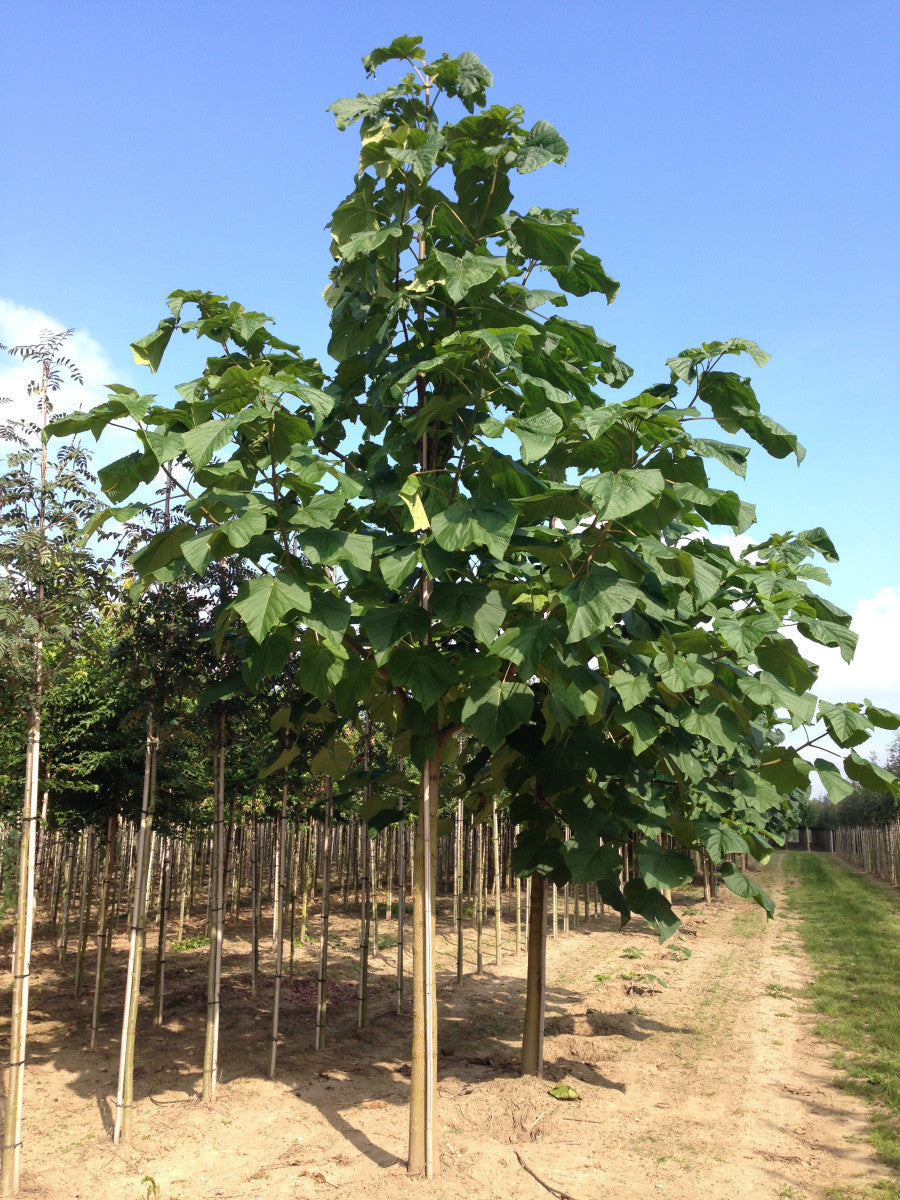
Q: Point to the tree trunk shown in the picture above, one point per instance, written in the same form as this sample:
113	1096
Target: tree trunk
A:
15	1076
125	1090
322	983
536	984
424	1047
102	922
401	903
279	928
495	830
86	900
217	924
159	979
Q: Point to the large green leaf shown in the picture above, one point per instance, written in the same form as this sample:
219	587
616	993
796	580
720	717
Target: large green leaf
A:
632	689
663	869
474	605
263	601
846	723
148	351
588	861
403	47
870	775
120	478
542	145
584	274
494	709
537	434
321	665
161	549
334	546
830	633
618	493
746	888
721	840
837	787
466	524
683	672
425	673
525	644
594	599
460	275
652	906
201	442
387	626
744	630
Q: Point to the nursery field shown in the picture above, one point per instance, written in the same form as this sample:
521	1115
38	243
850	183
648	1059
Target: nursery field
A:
713	1084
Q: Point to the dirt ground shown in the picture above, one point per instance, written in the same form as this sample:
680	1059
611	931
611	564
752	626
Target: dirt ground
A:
714	1085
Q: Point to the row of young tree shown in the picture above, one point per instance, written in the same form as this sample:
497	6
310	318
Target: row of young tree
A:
458	541
864	806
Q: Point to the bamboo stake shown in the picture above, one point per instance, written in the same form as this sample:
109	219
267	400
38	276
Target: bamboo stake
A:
84	905
279	928
497	882
322	982
159	980
112	826
401	902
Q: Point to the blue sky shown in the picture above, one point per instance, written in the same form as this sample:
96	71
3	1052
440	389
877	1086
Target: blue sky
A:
735	166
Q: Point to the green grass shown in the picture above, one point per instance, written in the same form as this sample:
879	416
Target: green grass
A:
197	942
851	929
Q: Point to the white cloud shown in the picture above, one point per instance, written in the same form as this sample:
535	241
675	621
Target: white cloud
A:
25	326
875	669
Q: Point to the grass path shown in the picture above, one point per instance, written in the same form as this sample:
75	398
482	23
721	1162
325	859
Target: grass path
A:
850	927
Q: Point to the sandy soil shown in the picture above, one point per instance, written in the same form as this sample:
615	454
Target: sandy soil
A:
714	1085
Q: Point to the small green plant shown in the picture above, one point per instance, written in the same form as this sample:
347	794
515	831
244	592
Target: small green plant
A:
778	991
603	978
149	1186
632	952
643	984
197	942
387	941
679	953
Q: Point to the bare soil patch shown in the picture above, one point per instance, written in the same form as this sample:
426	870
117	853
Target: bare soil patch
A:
714	1085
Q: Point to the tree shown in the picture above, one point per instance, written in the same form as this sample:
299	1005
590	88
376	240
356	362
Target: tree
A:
463	531
48	583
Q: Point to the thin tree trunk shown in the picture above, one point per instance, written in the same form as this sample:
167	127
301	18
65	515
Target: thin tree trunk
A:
322	983
458	886
217	892
424	1048
84	905
159	980
518	887
255	900
495	829
401	903
125	1089
15	1075
102	922
479	896
535	987
70	872
279	929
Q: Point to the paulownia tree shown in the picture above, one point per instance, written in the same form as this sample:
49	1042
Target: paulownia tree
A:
463	532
